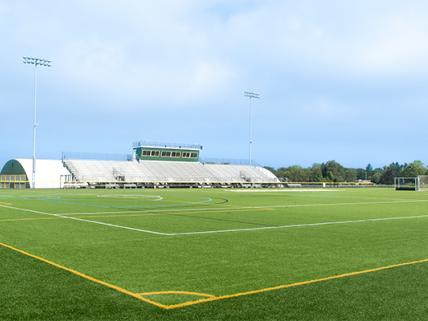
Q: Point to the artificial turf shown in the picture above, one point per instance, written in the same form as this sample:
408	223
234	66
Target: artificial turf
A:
31	290
247	243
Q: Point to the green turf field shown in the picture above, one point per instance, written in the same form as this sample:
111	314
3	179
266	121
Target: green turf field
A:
214	254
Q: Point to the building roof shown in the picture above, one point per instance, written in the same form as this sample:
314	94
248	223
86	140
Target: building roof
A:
48	171
140	144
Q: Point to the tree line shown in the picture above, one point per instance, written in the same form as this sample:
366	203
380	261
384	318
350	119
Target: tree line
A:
332	171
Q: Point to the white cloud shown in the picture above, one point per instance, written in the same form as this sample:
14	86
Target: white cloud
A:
397	45
197	50
325	69
311	37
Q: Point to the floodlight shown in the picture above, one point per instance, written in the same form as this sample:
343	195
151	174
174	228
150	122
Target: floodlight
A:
36	62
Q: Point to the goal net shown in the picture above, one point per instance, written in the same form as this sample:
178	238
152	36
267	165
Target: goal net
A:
423	183
406	183
419	183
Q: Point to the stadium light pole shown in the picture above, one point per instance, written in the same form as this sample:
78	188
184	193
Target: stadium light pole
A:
250	95
43	63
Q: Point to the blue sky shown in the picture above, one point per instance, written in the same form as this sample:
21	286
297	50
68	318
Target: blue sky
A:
343	80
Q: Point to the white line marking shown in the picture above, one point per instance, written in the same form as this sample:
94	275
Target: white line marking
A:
228	230
216	209
301	225
132	196
283	190
84	220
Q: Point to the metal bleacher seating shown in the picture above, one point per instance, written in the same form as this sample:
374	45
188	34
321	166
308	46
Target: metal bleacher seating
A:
101	171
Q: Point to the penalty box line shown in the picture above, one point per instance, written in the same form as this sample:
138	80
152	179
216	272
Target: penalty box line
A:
277	227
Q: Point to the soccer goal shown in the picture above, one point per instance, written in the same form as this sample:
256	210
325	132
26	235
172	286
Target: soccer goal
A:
418	183
423	183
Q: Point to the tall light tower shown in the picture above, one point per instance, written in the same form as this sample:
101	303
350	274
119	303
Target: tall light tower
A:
44	63
251	95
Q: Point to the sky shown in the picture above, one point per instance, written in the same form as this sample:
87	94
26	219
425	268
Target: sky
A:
338	79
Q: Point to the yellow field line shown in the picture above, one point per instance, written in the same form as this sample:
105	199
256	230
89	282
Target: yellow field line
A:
208	297
285	286
177	292
4	203
87	277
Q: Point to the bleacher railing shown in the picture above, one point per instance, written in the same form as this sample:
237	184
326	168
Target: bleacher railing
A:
95	156
143	143
227	161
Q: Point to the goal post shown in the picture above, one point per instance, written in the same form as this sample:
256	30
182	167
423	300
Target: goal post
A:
405	183
418	183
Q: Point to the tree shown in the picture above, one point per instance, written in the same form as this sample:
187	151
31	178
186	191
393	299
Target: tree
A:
390	172
315	173
376	175
361	173
350	175
414	169
294	173
333	171
369	171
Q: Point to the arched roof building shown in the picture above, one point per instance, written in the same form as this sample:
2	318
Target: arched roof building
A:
49	173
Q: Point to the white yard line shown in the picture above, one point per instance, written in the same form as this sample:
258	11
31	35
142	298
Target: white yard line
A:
132	196
382	219
218	209
301	225
85	220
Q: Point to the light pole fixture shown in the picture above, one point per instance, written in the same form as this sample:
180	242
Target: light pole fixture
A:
250	95
43	63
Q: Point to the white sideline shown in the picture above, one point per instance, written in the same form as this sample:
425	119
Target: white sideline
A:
381	219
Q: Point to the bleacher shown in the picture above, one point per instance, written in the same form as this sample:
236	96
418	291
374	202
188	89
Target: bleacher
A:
142	173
